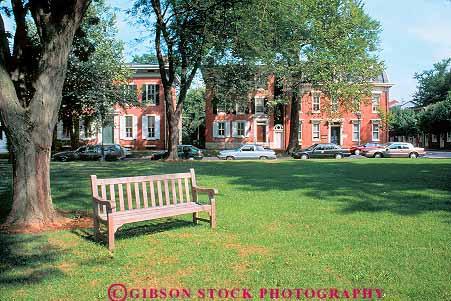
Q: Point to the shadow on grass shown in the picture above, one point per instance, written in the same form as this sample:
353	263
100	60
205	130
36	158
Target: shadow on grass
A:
27	259
135	229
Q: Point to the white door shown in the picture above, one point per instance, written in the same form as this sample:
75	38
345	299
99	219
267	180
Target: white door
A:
278	136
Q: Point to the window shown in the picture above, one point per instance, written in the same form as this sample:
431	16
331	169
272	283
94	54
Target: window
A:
334	104
247	149
300	131
448	137
375	131
259	148
315	131
300	104
434	138
151	126
221	128
129	126
375	101
356	131
316	102
150	94
259	105
240	128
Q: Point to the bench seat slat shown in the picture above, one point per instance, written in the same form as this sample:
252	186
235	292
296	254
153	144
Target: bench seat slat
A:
143	214
121	197
144	185
137	198
166	193
152	193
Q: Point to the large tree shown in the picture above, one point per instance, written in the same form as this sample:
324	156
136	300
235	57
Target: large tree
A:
327	45
96	73
185	31
32	74
433	85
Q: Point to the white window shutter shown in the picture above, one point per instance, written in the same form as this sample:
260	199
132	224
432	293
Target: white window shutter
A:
135	127
122	127
59	130
82	128
144	127
234	129
94	130
227	128
215	129
247	128
157	127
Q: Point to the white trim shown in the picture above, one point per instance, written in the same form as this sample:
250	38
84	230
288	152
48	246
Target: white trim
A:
125	127
146	126
226	129
378	101
262	98
314	93
359	132
235	128
319	130
266	122
330	132
378	131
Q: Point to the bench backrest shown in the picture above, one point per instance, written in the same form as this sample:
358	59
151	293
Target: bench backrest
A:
131	193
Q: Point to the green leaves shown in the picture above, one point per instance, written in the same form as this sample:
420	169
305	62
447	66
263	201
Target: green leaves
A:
433	85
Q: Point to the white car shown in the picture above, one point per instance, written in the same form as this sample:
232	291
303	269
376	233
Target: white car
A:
246	152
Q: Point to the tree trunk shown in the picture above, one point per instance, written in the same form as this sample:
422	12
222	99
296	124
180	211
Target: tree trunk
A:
32	202
293	141
173	119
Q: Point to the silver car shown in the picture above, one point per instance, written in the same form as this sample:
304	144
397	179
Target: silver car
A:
394	150
246	152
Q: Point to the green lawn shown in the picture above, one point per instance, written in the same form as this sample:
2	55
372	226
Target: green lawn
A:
298	224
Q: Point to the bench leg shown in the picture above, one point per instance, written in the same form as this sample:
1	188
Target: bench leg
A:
111	231
213	217
96	228
195	217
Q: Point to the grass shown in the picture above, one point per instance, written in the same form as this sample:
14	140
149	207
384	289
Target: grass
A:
310	224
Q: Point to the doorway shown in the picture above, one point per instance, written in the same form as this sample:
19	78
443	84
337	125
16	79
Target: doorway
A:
261	132
335	134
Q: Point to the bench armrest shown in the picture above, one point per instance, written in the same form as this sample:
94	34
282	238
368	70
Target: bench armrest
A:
212	191
107	203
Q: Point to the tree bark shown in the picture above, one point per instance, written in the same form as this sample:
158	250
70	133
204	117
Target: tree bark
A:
30	121
75	132
173	116
293	141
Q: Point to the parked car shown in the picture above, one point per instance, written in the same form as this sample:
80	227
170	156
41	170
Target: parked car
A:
322	150
394	150
247	151
184	151
357	149
91	153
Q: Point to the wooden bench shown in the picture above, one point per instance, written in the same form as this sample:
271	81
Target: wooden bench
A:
147	198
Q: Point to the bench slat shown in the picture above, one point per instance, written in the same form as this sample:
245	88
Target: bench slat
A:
166	193
129	197
160	196
121	197
125	180
103	189
144	185
174	194
137	198
152	193
113	196
180	190
187	191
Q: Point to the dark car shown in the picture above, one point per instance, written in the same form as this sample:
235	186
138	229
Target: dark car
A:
184	151
91	153
357	149
322	150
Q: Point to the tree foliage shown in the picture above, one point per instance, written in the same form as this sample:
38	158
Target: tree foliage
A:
433	85
185	32
96	72
403	122
436	118
145	58
194	117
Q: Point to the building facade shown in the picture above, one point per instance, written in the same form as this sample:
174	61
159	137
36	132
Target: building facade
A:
137	128
257	124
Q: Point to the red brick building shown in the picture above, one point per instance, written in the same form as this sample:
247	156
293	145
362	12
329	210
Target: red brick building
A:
133	127
256	124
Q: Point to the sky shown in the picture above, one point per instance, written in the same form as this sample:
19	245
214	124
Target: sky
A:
415	35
